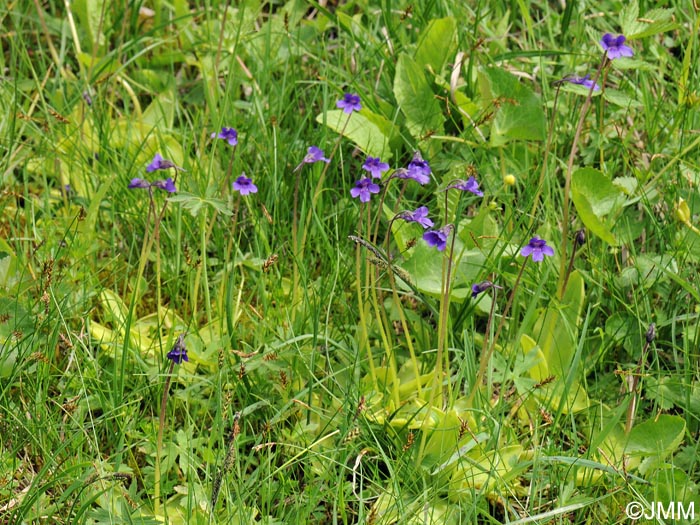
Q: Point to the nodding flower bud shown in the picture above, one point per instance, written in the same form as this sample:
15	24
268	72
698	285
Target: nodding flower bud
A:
651	333
581	237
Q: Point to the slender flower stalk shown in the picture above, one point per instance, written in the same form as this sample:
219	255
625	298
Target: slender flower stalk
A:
567	181
536	250
177	355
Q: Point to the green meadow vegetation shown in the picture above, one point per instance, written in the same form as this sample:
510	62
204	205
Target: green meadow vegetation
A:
349	262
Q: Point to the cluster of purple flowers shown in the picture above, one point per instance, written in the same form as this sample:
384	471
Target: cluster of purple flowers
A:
242	184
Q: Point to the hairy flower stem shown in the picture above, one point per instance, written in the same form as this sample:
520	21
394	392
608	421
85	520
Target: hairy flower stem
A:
204	233
540	183
159	442
228	463
364	338
486	351
299	249
399	308
567	181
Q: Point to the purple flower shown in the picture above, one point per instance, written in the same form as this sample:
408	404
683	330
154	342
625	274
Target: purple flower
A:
244	185
363	189
159	163
614	45
469	185
165	185
537	248
375	166
349	103
582	81
480	287
313	154
418	169
139	183
438	238
228	134
420	215
179	353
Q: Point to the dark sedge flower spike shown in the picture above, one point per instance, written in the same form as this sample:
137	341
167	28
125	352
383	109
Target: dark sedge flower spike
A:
469	185
159	163
363	189
418	169
581	81
313	154
244	185
179	352
614	46
349	103
438	238
230	135
537	248
420	215
375	167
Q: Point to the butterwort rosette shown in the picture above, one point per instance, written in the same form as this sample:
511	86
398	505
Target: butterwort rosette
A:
615	46
536	249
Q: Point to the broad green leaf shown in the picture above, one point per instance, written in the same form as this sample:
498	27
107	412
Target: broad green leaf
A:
161	111
597	201
416	99
519	114
94	17
540	370
437	44
655	439
369	132
194	203
621	99
558	331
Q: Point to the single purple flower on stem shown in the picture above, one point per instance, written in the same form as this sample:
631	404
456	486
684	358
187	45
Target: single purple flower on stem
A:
139	183
614	45
582	81
244	185
375	167
165	185
537	248
349	103
482	287
179	353
313	154
420	215
438	238
228	134
469	185
363	189
418	169
159	163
